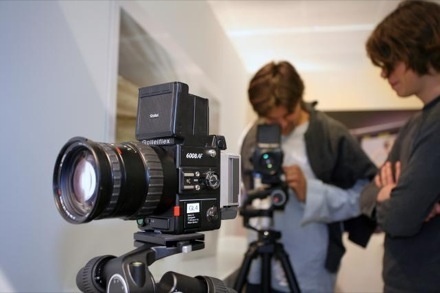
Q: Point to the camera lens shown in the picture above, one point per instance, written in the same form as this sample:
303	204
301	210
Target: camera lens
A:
268	163
100	180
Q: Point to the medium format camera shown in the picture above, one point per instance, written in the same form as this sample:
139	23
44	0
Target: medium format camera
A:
267	158
175	179
272	192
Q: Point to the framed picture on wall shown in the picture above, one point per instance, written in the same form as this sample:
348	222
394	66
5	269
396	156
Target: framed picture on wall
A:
376	130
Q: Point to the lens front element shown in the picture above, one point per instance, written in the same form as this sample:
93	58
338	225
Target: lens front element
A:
84	182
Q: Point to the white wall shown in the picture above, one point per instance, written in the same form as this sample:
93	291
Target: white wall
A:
58	80
55	81
210	65
354	88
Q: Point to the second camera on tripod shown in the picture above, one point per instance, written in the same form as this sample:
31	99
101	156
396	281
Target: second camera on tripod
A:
267	161
267	164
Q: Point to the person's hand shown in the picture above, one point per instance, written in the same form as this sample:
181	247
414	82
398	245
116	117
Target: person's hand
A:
296	180
386	177
386	180
435	212
384	193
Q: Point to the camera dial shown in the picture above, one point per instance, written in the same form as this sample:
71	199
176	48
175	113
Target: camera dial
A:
212	180
212	214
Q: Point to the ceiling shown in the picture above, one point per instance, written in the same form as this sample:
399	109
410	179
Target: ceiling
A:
313	35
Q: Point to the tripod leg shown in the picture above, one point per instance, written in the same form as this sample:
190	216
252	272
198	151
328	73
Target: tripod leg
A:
250	254
288	269
266	268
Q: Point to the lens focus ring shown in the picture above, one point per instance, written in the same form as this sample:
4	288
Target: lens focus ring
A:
155	179
115	166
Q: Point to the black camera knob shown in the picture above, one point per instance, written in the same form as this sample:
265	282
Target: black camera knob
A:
212	214
91	277
212	180
279	198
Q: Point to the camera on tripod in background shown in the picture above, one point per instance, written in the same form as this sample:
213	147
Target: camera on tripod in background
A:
268	155
176	180
267	160
269	186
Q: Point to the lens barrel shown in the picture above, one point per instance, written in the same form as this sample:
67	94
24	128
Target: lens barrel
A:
100	180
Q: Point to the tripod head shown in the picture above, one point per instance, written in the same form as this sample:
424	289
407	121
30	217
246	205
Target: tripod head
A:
267	245
130	273
278	194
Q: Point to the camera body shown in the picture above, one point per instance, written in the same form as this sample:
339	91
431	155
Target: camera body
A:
175	179
267	158
169	117
195	202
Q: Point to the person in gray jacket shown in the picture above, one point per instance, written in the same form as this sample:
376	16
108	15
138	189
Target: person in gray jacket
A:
325	170
405	193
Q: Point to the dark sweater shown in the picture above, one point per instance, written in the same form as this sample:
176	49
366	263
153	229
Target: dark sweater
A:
412	245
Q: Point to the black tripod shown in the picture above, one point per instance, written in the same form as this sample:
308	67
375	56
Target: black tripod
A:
266	246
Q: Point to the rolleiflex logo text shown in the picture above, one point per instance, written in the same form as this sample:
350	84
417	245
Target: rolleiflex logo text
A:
197	156
159	141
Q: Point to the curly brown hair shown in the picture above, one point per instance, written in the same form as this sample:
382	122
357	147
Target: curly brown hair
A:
409	34
275	84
